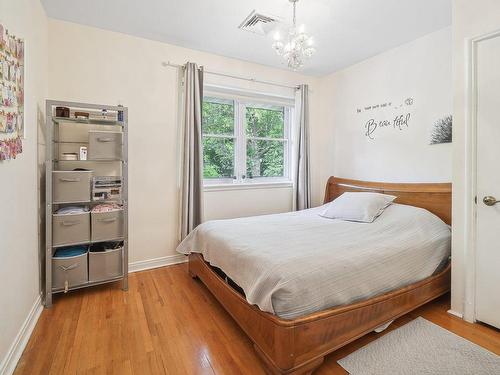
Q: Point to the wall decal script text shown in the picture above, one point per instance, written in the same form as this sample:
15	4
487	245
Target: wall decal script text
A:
400	122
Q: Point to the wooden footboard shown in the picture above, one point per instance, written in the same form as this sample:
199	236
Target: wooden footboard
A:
298	346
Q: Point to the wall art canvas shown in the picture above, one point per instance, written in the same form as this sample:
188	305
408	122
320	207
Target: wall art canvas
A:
442	130
12	129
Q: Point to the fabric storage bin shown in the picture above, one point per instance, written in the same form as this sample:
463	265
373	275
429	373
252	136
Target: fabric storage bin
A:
107	225
105	265
71	186
70	229
105	145
69	267
72	132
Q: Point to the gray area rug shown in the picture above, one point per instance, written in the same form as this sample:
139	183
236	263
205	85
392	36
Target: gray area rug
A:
423	348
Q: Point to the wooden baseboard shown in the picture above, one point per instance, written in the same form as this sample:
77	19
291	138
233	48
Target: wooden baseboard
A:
9	363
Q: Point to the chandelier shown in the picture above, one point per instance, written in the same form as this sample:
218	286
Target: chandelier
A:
297	46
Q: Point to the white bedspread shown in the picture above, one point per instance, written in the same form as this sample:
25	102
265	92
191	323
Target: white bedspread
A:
298	263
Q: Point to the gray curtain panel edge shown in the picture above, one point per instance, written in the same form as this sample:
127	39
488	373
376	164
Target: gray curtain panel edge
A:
302	176
192	157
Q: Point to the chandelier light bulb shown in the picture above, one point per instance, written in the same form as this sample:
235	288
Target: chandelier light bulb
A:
278	47
297	46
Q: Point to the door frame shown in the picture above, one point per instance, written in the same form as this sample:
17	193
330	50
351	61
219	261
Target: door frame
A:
470	254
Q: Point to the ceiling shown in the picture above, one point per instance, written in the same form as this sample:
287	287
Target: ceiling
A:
345	31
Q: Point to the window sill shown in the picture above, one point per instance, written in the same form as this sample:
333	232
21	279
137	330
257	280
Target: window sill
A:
248	186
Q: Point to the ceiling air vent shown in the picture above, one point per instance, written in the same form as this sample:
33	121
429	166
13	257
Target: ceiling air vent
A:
258	23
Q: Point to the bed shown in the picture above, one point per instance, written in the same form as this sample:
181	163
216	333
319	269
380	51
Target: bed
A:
295	319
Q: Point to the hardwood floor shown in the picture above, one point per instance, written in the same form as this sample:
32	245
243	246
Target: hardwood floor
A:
168	323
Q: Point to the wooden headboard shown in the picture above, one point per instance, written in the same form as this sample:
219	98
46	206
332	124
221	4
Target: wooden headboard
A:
434	197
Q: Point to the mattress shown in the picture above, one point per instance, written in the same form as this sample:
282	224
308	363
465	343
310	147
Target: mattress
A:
298	263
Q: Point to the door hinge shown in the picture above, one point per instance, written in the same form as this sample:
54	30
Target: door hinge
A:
475	199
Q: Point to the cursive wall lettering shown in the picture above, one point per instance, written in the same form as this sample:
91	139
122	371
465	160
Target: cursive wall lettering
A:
400	122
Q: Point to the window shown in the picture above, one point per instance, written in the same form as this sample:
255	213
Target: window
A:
218	138
245	141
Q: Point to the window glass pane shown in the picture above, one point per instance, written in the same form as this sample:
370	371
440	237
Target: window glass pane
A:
265	158
265	122
218	157
218	116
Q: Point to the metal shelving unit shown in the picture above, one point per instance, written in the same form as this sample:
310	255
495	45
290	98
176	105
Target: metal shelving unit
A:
54	163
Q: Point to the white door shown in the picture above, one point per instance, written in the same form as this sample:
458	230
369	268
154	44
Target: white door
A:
488	182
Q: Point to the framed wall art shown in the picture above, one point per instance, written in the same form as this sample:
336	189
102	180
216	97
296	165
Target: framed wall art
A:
12	129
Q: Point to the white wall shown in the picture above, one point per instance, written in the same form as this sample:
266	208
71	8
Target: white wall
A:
19	267
470	19
420	70
230	204
92	65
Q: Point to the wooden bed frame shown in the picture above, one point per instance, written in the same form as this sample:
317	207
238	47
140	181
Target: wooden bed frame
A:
298	346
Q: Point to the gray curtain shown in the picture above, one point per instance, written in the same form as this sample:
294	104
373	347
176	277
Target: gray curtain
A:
192	162
302	175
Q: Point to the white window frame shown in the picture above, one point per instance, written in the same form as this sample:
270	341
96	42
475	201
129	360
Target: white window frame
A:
240	137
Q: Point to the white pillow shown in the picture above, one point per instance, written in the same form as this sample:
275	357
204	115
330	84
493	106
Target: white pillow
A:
362	207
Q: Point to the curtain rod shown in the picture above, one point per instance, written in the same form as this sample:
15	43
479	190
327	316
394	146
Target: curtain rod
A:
168	63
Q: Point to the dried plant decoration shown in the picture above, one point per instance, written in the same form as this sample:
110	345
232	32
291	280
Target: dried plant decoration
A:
442	130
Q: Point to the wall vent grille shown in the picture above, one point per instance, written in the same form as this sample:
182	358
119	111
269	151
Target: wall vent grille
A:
258	23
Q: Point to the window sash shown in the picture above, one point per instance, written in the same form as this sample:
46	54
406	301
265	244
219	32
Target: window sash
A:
241	139
224	179
267	139
219	136
223	101
285	176
274	108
